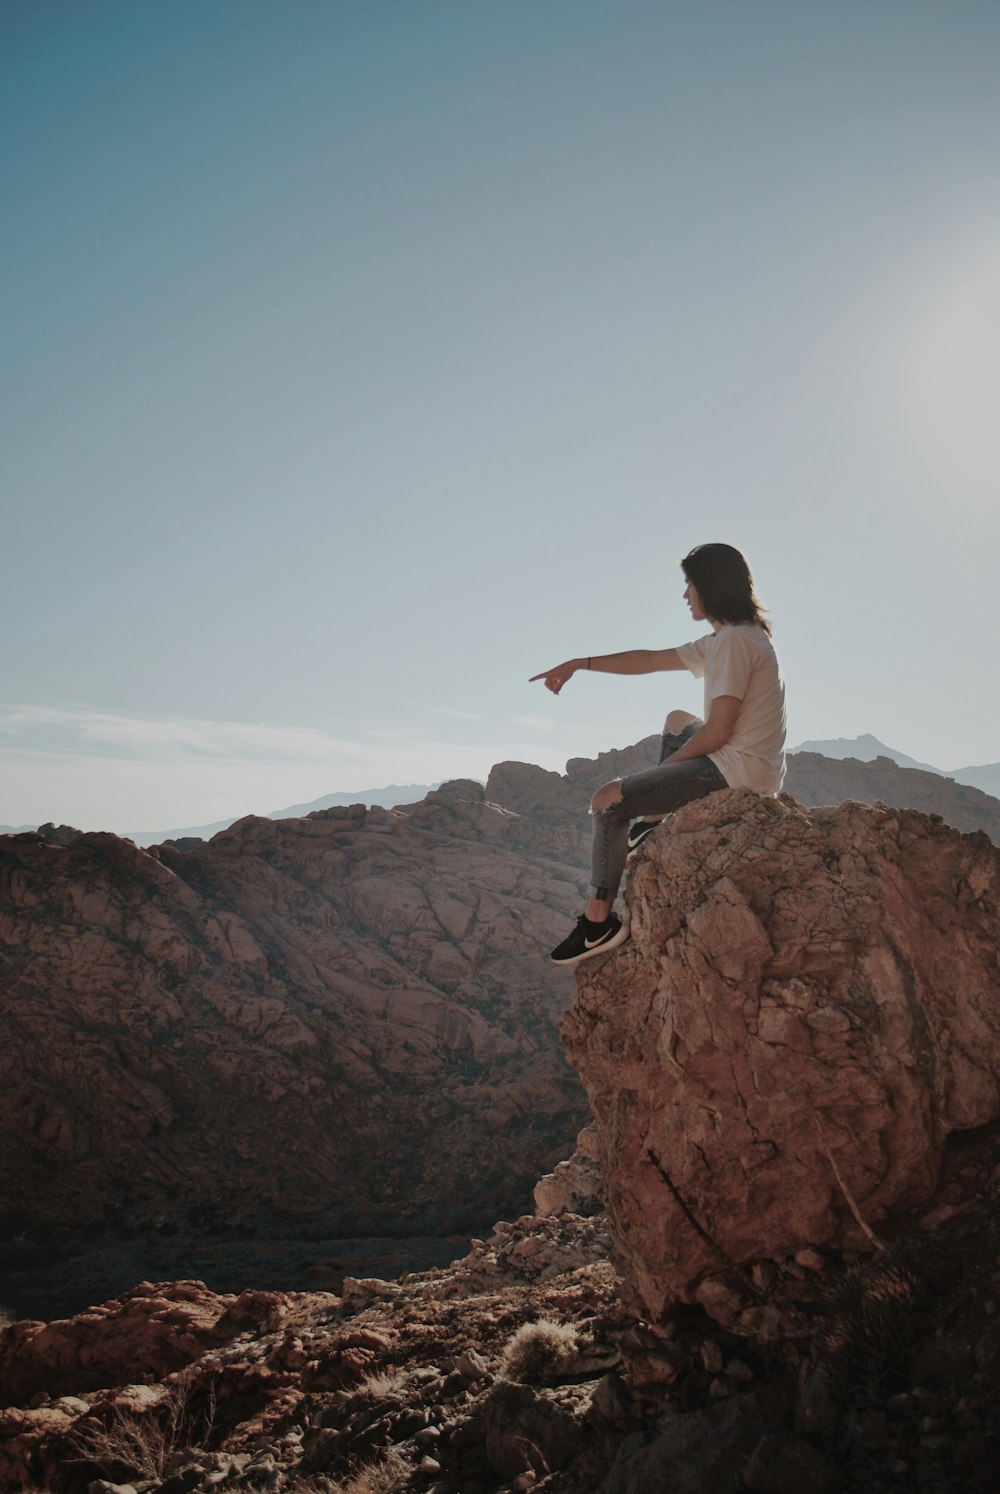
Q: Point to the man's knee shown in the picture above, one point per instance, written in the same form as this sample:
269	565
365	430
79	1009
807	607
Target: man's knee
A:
608	796
678	721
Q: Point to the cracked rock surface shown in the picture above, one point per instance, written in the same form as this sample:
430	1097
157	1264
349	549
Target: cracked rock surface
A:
345	1017
808	1008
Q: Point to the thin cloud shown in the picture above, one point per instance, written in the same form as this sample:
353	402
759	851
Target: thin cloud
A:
104	770
49	730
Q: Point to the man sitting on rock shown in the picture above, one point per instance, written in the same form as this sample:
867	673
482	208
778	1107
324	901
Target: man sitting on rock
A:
740	743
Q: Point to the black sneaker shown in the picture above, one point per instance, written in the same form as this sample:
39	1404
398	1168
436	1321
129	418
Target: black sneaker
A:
638	832
590	939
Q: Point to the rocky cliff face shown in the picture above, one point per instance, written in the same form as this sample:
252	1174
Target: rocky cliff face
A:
814	779
808	1008
345	1015
811	779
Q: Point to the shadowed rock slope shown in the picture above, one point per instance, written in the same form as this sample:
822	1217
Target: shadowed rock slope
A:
344	1015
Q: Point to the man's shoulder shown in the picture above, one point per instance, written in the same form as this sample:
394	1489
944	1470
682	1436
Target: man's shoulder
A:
744	635
696	645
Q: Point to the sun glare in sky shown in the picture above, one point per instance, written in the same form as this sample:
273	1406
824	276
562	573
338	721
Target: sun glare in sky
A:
956	376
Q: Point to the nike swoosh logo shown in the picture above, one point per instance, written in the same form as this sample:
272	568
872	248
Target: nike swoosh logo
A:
593	943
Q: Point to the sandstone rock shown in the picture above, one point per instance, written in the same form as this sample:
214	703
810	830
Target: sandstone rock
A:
781	1465
806	994
700	1451
556	801
813	779
577	1185
532	1249
153	1330
345	1015
529	1429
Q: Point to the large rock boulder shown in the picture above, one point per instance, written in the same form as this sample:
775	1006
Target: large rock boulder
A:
808	1008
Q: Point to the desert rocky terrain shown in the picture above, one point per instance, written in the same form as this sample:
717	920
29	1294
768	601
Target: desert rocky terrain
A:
770	1264
770	1261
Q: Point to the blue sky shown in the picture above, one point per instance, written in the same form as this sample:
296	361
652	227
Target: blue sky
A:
362	360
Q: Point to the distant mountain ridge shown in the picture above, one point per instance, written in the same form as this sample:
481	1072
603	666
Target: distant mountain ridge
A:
866	748
388	797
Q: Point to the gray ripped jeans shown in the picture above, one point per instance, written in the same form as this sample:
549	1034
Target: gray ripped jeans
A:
651	791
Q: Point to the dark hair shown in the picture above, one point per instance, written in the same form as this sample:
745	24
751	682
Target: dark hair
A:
724	583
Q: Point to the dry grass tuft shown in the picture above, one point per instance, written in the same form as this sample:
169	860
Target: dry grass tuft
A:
388	1476
539	1351
381	1383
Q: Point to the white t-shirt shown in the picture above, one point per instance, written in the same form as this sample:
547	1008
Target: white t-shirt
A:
740	660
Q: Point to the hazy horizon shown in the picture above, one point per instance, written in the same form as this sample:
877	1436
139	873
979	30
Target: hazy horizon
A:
363	361
147	835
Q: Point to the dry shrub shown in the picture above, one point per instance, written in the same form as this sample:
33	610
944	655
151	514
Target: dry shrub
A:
539	1351
130	1444
388	1476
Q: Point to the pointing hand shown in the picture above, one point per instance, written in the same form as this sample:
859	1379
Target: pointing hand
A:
556	678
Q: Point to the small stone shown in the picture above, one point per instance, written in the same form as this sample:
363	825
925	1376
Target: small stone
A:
815	1408
711	1356
720	1301
609	1403
737	1370
472	1365
427	1436
429	1464
763	1274
720	1388
901	1402
810	1259
72	1405
764	1323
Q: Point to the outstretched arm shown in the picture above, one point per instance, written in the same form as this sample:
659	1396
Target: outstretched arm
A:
631	661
